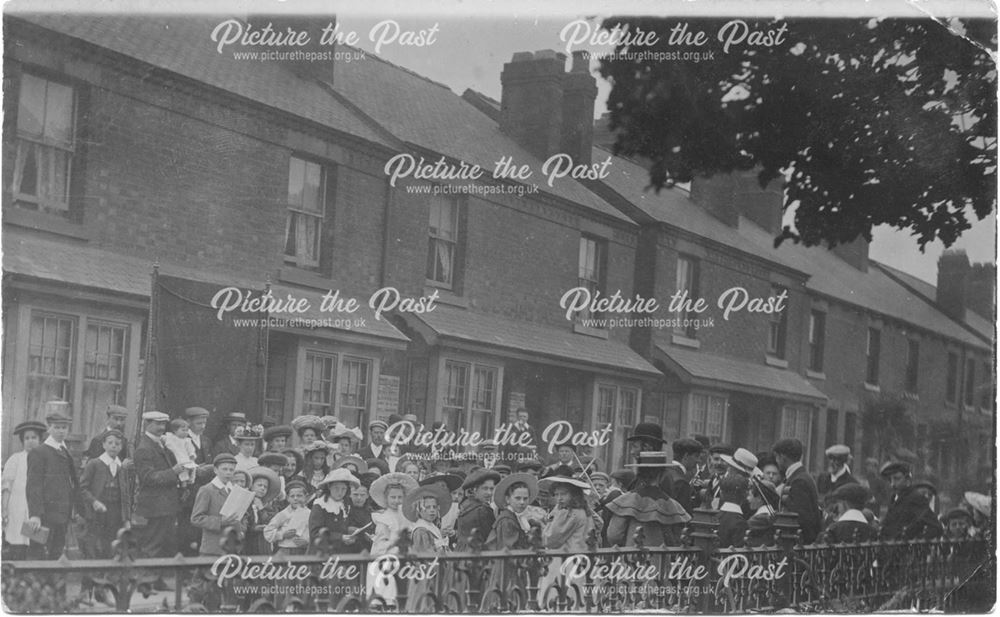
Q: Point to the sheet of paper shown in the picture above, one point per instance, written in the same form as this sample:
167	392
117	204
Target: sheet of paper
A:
237	503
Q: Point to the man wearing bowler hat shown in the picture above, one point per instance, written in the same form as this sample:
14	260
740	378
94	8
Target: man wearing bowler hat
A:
909	515
158	498
229	444
116	422
53	488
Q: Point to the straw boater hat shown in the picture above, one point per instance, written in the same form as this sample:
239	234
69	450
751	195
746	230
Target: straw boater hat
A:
379	486
500	493
340	475
273	483
552	480
357	461
301	423
236	416
743	461
417	495
957	513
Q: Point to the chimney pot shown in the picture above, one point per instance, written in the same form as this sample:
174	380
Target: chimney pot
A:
953	283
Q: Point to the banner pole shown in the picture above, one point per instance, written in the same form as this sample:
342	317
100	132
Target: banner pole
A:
149	363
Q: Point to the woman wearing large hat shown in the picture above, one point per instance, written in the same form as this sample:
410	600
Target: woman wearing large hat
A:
331	510
512	497
15	482
266	486
423	508
450	483
309	429
475	516
646	506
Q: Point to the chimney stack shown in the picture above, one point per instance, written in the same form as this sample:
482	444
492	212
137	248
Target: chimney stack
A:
982	290
953	283
854	253
727	196
546	109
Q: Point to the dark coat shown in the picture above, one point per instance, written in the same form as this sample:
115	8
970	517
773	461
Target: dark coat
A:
848	532
473	515
803	499
205	516
53	490
338	526
95	478
158	494
223	446
202	455
909	516
507	533
680	488
825	486
732	530
366	453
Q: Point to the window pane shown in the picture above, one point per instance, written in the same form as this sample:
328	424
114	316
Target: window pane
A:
59	114
318	382
716	410
296	181
455	388
50	356
605	405
31	106
629	398
355	391
311	198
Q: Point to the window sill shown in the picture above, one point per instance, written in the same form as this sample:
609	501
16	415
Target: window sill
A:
446	296
595	332
684	341
775	362
306	278
872	387
816	375
45	222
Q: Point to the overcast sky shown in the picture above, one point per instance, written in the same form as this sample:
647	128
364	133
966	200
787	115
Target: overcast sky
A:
470	52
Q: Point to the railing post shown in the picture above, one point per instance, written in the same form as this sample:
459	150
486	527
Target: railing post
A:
703	534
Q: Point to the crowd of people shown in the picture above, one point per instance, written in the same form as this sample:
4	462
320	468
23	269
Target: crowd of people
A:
317	481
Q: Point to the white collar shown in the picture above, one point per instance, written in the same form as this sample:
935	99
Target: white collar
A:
195	438
112	463
431	527
158	440
52	443
217	483
853	515
731	507
835	476
792	469
762	510
331	506
377	449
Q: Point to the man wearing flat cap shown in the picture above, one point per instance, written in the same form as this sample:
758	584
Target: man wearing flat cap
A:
53	489
687	453
376	446
158	498
116	422
802	496
197	418
838	472
909	515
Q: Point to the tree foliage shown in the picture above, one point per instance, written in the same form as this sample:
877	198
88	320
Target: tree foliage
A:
869	122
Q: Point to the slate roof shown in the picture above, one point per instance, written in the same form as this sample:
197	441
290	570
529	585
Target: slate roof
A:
338	320
84	266
828	274
704	369
974	320
183	45
502	333
429	115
